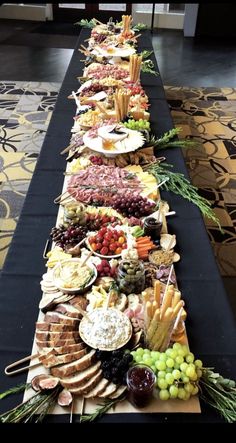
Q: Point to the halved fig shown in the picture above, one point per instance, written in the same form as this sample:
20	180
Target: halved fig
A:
48	382
65	398
36	380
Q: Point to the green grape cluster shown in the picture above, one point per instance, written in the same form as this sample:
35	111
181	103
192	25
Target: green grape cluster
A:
177	372
138	125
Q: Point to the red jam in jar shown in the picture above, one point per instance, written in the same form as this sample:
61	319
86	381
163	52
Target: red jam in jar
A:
152	228
140	382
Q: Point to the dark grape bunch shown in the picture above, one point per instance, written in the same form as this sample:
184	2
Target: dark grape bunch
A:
130	205
115	364
68	237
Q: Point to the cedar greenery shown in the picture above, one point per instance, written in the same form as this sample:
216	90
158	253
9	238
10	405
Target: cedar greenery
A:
86	23
139	27
166	141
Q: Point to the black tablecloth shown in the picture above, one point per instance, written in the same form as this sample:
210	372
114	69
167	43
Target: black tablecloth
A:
210	323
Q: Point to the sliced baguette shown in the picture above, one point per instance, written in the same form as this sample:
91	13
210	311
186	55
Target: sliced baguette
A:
54	327
48	335
118	392
69	310
108	391
54	343
99	388
79	378
75	366
87	385
57	317
52	360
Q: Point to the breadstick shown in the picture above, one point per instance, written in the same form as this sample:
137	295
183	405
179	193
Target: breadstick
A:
153	325
145	296
178	307
157	292
147	314
168	315
176	298
166	302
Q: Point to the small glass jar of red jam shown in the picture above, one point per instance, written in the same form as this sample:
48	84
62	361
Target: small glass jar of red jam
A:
152	228
140	383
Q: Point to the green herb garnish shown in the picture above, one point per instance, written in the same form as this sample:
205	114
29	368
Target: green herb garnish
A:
220	393
166	141
38	405
146	53
86	23
15	390
147	67
101	410
139	27
180	185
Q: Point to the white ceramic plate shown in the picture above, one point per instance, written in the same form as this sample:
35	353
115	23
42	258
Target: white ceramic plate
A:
133	141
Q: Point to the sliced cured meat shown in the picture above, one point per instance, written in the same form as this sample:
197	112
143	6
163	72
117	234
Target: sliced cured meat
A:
57	317
64	398
79	378
87	385
99	388
52	360
75	366
69	310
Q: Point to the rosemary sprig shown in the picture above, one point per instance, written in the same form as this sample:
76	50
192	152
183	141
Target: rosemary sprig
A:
15	390
180	185
86	23
40	404
146	53
147	67
101	410
166	141
220	393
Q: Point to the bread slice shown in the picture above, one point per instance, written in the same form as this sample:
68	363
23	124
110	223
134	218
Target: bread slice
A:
108	391
53	343
79	378
87	385
99	388
48	335
52	360
118	392
75	366
69	348
54	327
57	317
69	310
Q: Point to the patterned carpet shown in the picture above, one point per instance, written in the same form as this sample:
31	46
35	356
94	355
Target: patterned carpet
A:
209	116
25	112
205	114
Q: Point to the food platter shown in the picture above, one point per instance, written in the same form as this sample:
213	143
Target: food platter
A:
113	51
134	312
133	141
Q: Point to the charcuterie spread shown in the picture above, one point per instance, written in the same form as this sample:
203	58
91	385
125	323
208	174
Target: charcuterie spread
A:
110	300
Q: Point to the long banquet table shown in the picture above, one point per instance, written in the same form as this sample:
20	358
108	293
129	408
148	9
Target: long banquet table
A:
210	324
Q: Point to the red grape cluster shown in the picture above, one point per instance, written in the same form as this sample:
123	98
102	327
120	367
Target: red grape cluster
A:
70	236
96	221
105	269
130	205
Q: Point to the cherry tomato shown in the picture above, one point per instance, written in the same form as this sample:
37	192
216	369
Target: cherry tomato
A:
118	250
121	240
104	250
94	246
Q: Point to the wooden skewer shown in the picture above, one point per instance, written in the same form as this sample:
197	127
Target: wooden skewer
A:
86	259
83	313
71	410
18	362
